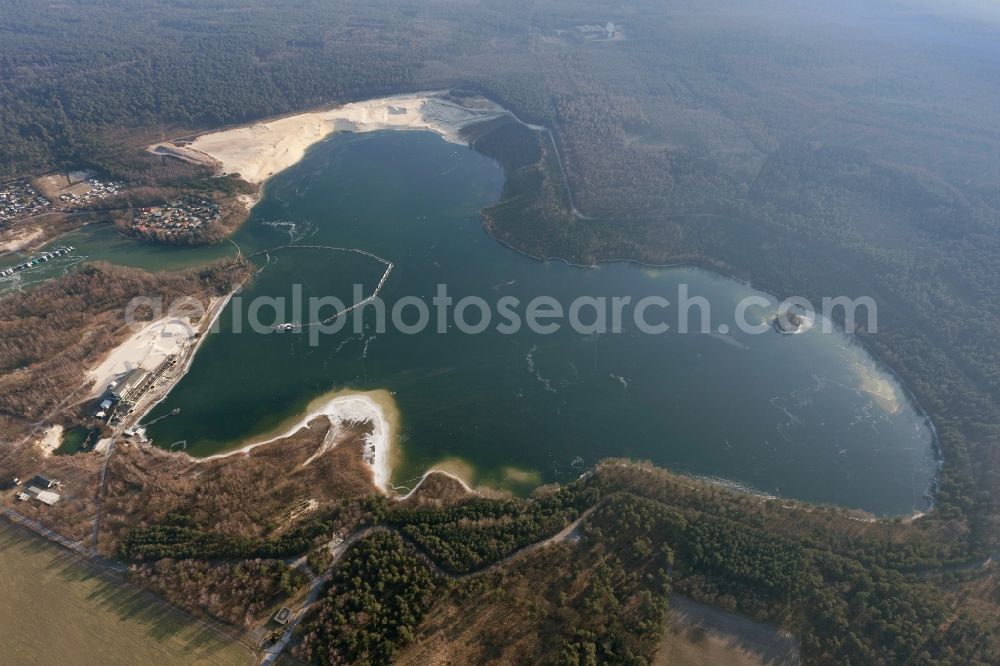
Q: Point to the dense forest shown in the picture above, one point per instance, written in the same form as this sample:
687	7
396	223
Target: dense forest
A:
236	593
470	536
377	598
852	590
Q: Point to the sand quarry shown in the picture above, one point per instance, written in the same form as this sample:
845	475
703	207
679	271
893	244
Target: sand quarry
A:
146	348
258	151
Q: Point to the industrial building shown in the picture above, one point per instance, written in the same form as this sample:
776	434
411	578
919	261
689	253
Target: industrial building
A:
44	496
129	385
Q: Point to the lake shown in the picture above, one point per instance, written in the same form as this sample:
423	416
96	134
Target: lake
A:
809	416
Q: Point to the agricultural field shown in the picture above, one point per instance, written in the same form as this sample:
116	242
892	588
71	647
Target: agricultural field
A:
73	613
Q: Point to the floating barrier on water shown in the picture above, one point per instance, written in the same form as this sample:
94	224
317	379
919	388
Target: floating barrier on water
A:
294	325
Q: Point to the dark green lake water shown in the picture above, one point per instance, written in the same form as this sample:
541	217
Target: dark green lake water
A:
791	415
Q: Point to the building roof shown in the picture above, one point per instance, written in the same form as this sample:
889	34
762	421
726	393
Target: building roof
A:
44	496
129	382
42	482
48	497
133	378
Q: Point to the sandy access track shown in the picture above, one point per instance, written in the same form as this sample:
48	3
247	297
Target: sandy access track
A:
258	151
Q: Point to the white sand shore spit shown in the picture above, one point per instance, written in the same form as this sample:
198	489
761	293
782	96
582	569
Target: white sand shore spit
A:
257	152
375	407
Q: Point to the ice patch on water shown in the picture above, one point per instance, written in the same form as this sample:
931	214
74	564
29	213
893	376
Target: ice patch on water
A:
530	358
738	486
623	380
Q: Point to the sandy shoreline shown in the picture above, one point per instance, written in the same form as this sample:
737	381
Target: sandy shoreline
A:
434	470
341	407
175	335
258	151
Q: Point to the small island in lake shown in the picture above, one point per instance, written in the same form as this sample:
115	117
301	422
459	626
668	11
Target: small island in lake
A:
792	322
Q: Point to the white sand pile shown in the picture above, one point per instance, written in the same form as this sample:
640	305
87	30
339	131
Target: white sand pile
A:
51	440
259	151
146	348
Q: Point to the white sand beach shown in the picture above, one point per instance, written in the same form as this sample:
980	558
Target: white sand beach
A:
258	151
340	407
